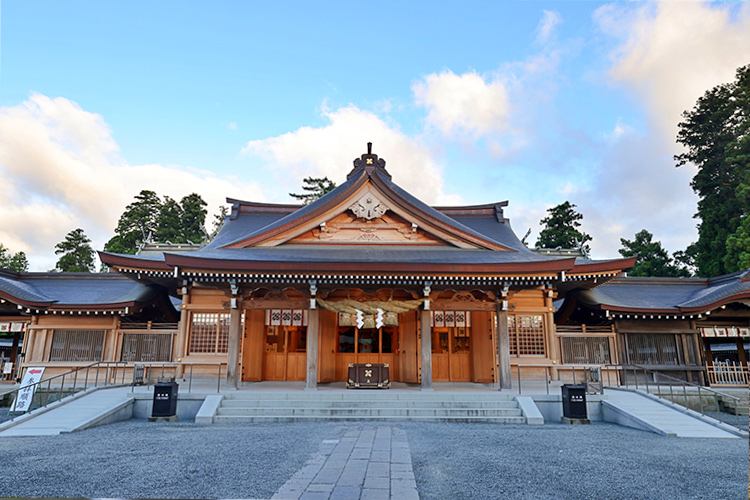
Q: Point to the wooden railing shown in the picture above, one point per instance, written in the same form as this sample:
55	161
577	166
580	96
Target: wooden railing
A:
727	374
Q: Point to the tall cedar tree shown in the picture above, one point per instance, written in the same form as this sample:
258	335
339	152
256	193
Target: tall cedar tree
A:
560	229
13	261
77	254
651	259
315	187
715	133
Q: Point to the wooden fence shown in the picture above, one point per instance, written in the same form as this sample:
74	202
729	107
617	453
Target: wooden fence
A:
727	374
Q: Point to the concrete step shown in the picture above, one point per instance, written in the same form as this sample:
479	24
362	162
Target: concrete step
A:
370	412
299	418
380	403
367	395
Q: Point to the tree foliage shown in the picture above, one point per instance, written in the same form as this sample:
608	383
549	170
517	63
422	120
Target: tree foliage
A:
717	137
13	261
560	229
164	221
651	259
315	187
76	254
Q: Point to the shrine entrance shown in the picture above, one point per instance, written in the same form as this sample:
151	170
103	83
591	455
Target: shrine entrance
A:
366	345
285	357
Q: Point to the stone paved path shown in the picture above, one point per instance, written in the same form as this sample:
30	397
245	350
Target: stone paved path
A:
366	462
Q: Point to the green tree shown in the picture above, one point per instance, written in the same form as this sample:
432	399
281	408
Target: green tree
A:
194	212
715	133
218	221
315	187
560	229
169	222
651	259
77	256
738	243
139	220
13	261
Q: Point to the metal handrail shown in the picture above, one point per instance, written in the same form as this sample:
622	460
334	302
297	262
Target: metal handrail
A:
61	390
622	380
150	365
684	383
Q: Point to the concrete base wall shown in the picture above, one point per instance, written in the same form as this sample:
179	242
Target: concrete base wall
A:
551	407
187	406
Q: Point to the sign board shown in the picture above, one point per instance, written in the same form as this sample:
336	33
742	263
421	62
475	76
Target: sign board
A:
26	393
4	327
7	368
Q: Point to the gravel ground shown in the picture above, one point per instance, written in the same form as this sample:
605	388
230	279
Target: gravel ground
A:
555	461
137	459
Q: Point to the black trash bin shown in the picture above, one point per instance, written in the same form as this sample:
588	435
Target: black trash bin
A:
574	401
165	399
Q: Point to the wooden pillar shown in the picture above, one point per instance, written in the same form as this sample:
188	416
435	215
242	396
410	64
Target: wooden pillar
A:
503	349
426	333
741	356
233	350
313	334
182	333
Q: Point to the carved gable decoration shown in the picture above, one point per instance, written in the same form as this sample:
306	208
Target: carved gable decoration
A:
369	207
388	228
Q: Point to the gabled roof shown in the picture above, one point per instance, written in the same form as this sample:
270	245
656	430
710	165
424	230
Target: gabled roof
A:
265	237
668	295
72	291
285	226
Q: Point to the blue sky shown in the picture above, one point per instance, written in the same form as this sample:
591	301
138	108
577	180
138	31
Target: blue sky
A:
469	102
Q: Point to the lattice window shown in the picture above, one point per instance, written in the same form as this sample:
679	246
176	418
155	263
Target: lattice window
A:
146	347
526	335
77	345
585	350
644	349
209	333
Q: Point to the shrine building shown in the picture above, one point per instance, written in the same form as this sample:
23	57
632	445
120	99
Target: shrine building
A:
366	274
370	274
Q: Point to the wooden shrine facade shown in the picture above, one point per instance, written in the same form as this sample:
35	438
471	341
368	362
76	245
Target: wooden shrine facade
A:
367	274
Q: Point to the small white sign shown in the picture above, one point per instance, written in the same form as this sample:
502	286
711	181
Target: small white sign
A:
26	394
7	368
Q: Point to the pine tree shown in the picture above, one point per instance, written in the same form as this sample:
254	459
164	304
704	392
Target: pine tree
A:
13	261
77	256
651	259
560	229
193	218
315	187
136	224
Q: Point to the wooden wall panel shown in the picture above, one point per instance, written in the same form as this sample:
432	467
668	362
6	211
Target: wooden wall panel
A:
409	348
253	348
482	348
327	347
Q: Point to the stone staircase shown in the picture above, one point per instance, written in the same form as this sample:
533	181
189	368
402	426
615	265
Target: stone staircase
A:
370	405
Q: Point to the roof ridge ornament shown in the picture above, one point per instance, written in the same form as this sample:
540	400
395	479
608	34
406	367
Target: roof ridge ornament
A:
369	162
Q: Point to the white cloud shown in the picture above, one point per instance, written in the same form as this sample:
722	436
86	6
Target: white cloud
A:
61	171
463	104
550	19
329	151
670	53
232	126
